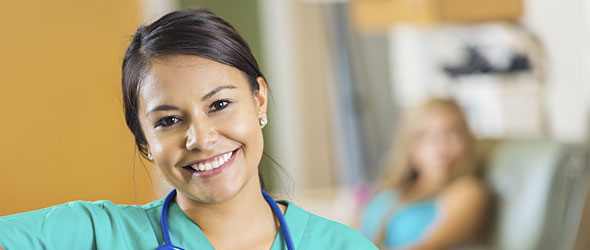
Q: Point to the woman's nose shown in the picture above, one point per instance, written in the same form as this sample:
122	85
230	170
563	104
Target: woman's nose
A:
201	135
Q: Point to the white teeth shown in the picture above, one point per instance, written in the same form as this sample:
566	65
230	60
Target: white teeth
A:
213	164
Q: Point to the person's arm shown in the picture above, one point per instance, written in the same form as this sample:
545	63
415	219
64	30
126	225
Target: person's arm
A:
464	210
67	226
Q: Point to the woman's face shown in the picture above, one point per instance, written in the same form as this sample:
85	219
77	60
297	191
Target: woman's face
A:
201	122
439	142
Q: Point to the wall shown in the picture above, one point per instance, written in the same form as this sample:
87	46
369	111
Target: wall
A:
241	14
297	54
563	28
63	135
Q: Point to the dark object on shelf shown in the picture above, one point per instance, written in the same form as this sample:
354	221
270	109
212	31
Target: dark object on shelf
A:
478	64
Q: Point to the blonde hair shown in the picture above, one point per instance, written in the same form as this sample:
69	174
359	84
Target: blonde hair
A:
399	173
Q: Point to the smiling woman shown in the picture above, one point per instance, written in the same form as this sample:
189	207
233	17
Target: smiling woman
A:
195	100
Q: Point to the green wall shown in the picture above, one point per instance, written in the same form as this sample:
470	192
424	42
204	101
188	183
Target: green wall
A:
242	14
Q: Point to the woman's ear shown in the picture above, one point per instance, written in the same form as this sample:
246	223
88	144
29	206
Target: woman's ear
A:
260	96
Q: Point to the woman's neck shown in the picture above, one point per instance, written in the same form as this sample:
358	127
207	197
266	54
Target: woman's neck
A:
244	221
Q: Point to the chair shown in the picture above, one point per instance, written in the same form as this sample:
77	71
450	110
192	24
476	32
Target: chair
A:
539	190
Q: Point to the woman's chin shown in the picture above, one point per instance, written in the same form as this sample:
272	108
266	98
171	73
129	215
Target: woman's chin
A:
215	199
214	195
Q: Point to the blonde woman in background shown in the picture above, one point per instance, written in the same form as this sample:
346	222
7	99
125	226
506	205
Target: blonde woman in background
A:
429	196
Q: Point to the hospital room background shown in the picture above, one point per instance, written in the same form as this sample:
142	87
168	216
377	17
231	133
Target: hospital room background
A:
340	73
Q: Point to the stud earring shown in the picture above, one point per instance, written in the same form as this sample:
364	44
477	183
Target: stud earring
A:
150	156
262	121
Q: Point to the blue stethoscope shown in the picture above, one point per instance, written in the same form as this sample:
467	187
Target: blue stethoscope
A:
271	202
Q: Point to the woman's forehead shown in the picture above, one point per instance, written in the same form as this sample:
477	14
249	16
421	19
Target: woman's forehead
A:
188	67
178	76
437	118
198	73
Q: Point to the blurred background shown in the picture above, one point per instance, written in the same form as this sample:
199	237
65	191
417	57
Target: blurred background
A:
340	72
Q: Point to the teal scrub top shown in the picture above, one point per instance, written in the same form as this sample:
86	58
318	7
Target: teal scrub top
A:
103	225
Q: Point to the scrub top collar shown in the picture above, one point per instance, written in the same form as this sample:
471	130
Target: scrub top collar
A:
186	231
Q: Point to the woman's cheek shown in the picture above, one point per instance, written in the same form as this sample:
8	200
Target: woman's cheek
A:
244	128
417	157
163	149
242	125
457	148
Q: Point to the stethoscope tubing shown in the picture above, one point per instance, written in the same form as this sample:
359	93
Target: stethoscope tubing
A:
277	211
164	223
271	202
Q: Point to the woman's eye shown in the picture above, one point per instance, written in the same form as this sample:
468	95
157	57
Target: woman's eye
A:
219	105
167	121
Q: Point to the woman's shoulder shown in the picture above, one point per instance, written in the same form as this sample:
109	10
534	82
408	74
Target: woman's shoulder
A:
465	195
77	212
322	233
468	186
107	206
67	210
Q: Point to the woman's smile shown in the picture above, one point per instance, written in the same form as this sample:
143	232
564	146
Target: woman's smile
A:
212	166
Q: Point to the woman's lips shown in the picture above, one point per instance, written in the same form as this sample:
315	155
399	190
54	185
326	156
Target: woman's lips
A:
213	166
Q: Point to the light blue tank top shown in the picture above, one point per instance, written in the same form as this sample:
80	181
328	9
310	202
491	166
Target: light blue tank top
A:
407	225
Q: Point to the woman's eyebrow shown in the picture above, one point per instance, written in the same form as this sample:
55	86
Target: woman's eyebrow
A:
161	108
215	90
